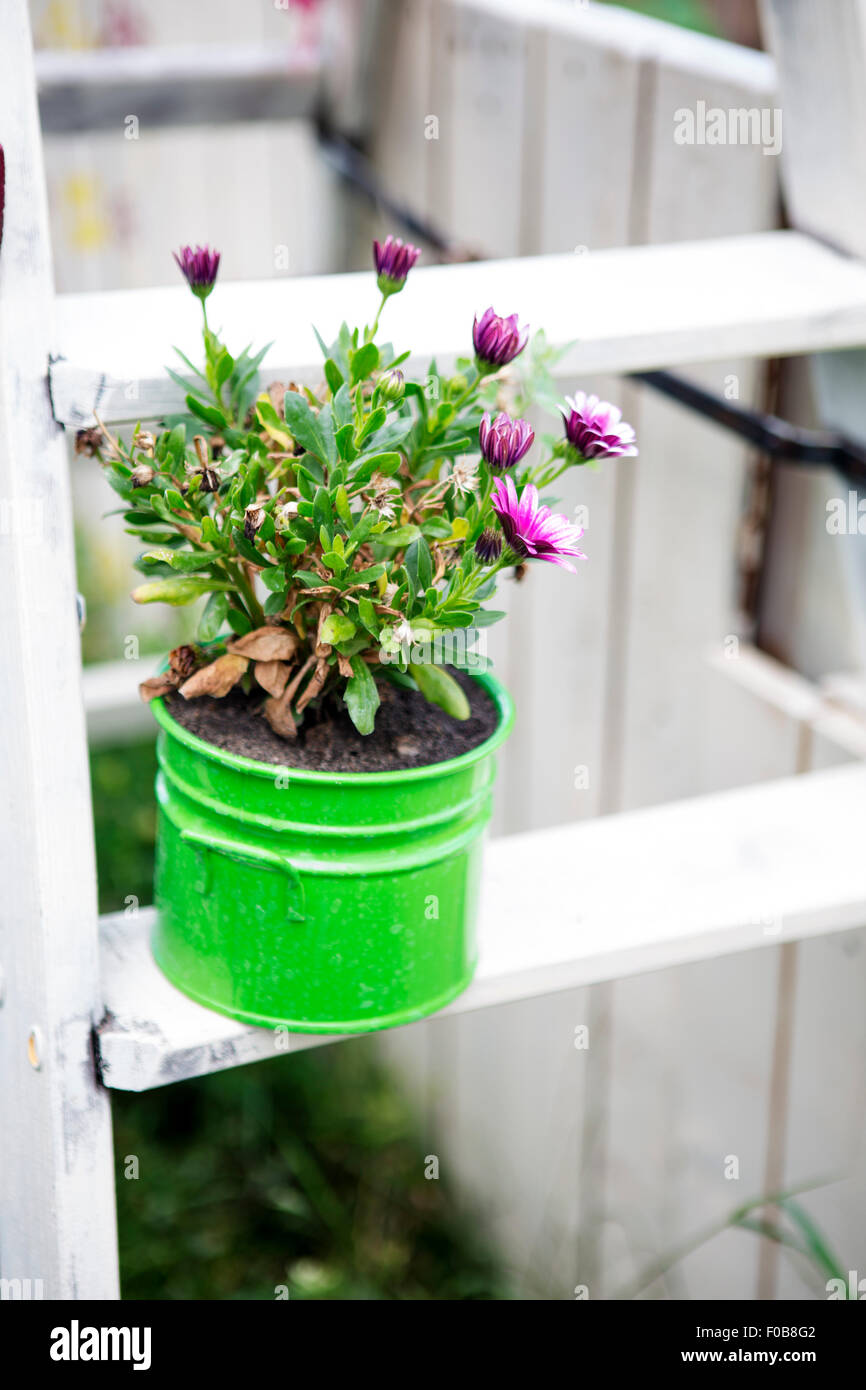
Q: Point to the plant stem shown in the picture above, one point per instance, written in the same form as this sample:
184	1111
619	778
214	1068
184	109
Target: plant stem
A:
371	333
254	608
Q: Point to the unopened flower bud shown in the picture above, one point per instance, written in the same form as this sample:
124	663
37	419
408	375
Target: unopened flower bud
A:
284	515
141	475
198	265
392	386
393	259
488	547
254	516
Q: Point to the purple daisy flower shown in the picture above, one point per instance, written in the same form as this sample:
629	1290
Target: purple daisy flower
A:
498	340
394	259
199	268
504	441
532	530
596	428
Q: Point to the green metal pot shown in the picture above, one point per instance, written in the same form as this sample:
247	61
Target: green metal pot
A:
328	902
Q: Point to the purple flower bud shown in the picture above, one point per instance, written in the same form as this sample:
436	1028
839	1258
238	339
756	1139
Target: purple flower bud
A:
497	340
199	268
531	529
596	429
504	441
394	259
488	547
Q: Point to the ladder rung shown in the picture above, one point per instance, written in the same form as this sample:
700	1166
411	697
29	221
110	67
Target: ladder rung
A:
206	85
627	309
562	908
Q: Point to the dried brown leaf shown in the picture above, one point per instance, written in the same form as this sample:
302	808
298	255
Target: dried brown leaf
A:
266	644
217	679
345	666
272	676
279	715
183	661
154	686
314	685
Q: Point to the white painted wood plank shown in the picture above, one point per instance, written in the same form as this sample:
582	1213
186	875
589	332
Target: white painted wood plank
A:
820	73
704	878
57	1219
171	86
631	308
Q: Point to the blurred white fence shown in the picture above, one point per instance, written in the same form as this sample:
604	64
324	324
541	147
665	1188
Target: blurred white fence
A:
556	133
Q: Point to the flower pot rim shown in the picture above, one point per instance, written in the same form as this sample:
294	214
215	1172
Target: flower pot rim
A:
494	687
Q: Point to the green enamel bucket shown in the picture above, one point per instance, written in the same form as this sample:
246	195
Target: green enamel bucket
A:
324	902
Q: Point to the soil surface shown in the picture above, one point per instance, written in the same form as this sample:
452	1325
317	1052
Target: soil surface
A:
409	732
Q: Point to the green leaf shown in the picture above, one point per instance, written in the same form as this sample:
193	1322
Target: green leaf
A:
308	579
208	413
441	689
304	425
386	464
246	549
322	513
239	622
274	604
487	617
363	362
447	448
419	564
392	434
333	375
368	615
374	421
213	617
346	442
341	502
399	536
342	404
210	533
186	561
274	579
362	697
225	365
337	628
175	442
179	590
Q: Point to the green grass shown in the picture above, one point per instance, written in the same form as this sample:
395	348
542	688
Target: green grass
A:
305	1172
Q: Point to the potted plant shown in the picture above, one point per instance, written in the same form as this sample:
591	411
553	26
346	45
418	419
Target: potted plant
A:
327	742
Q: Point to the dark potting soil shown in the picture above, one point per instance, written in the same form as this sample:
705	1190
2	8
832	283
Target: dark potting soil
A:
409	732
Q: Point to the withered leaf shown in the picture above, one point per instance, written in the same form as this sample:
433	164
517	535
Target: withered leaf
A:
155	686
217	679
182	661
266	644
278	713
314	685
345	666
272	676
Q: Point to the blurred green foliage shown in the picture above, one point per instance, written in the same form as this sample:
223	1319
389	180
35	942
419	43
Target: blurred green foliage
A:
306	1172
303	1172
689	14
